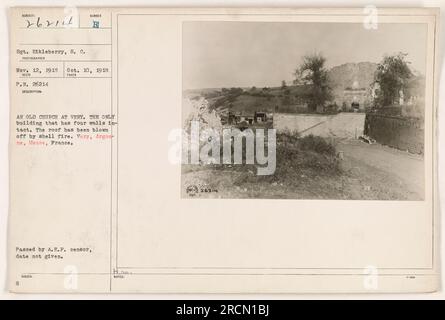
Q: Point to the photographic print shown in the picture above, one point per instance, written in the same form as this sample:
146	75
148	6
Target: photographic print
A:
299	110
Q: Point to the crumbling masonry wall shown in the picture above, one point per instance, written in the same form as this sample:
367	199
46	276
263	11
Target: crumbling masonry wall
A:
399	132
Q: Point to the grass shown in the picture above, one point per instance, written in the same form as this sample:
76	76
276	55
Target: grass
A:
317	144
306	167
249	101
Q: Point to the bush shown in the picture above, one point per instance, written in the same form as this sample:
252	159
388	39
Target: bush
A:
296	156
317	144
287	136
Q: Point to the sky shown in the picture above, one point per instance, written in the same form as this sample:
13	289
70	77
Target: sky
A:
243	54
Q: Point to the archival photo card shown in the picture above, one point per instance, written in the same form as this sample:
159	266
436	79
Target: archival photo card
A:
223	150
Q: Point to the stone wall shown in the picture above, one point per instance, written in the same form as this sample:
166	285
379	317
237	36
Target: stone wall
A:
342	125
399	132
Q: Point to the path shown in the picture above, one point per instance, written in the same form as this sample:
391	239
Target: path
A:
377	169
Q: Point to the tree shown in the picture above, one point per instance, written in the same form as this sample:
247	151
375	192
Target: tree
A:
312	72
283	85
392	77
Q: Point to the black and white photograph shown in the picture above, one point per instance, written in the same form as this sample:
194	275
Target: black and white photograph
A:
303	110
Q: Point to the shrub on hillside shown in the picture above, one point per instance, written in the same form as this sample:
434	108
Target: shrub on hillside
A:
317	144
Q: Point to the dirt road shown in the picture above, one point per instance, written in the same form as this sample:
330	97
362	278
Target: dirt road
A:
377	171
368	172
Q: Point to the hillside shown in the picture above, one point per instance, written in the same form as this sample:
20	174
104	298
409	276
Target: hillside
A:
287	99
351	75
347	75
